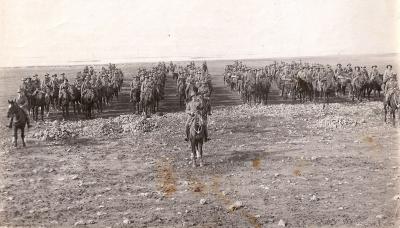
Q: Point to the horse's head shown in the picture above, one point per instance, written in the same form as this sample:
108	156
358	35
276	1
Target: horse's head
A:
198	122
12	108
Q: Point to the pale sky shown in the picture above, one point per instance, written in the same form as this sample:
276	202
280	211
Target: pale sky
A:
50	32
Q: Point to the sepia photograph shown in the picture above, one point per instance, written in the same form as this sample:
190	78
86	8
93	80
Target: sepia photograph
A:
199	113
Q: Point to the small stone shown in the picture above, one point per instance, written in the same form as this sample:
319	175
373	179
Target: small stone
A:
314	198
236	205
340	208
396	197
126	221
203	201
380	216
80	222
281	223
276	174
91	222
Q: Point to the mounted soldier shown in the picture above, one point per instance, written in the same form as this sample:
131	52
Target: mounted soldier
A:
36	83
46	82
64	88
390	83
374	72
388	75
22	102
195	106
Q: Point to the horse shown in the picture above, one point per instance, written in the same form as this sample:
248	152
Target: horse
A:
392	103
63	101
88	100
375	84
181	93
146	100
135	97
21	119
196	138
55	89
302	89
263	88
175	75
358	85
38	101
75	95
327	87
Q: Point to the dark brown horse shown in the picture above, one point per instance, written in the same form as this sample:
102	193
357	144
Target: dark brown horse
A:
88	101
358	86
64	100
181	92
21	119
196	138
147	100
302	89
75	98
39	101
135	98
375	84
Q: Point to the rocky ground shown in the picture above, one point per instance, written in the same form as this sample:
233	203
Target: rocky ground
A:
280	165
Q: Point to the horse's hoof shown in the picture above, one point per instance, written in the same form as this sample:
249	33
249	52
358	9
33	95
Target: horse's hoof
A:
201	164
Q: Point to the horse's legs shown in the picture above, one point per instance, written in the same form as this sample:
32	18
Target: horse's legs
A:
42	111
23	136
393	110
385	109
200	153
193	157
15	136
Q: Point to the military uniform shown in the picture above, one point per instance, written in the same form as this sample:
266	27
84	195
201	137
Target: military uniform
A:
86	85
373	74
36	82
46	82
389	83
63	87
22	102
195	106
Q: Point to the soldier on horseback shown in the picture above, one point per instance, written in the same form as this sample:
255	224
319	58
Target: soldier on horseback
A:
22	102
390	83
195	105
46	82
36	82
388	75
64	88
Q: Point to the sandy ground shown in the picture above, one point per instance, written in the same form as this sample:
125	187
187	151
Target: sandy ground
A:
297	164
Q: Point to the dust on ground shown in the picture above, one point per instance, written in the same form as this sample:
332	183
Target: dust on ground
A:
301	164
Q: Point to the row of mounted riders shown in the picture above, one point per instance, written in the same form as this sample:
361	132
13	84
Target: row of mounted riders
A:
192	80
89	90
147	89
303	81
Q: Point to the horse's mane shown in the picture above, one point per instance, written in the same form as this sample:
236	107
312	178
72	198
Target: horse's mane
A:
19	113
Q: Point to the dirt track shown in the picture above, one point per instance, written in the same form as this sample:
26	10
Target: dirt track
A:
278	161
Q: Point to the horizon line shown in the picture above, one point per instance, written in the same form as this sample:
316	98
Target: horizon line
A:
97	62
